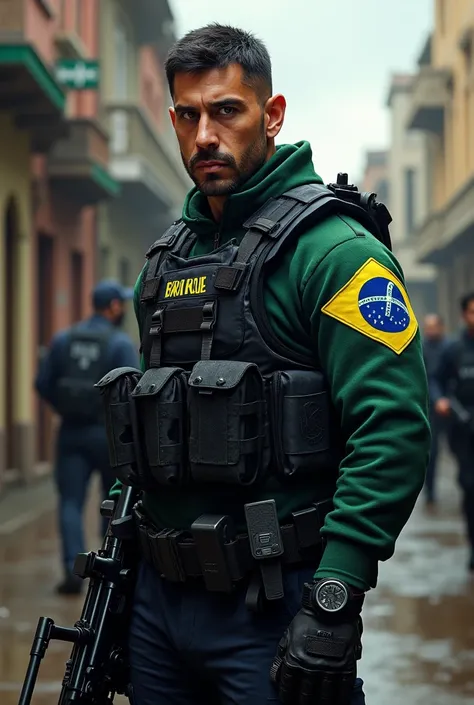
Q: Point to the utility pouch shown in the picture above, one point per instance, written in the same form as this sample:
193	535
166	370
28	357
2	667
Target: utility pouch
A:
227	422
300	424
116	388
160	400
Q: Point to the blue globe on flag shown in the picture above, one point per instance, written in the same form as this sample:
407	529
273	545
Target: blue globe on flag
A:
383	306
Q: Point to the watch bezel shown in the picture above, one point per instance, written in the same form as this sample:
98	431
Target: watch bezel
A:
324	583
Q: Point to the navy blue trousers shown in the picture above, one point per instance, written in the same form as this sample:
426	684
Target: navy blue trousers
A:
437	429
79	452
192	647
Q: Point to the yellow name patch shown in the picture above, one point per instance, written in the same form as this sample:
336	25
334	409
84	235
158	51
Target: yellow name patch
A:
374	302
185	287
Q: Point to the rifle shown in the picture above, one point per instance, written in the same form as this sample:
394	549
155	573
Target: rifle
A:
97	669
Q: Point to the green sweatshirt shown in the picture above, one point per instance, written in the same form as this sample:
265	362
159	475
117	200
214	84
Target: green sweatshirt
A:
330	298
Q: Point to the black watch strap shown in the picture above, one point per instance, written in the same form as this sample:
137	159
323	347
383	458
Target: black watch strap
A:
306	597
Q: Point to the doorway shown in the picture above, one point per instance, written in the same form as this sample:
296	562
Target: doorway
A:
9	279
44	311
77	279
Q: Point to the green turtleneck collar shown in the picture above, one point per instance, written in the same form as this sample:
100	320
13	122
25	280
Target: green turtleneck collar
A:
290	166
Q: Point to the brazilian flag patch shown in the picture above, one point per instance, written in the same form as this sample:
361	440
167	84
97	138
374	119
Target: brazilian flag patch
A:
374	302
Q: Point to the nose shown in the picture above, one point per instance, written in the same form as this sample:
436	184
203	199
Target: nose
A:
206	137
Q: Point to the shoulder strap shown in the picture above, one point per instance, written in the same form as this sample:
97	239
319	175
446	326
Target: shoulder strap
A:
283	217
171	241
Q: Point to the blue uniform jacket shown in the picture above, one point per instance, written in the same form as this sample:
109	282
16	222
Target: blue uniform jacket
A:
121	353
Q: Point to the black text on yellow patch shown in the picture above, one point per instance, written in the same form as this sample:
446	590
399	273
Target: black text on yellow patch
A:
185	287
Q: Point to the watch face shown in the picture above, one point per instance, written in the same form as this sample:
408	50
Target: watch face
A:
331	595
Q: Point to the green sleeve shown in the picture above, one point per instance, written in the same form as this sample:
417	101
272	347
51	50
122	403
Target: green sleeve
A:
381	398
117	487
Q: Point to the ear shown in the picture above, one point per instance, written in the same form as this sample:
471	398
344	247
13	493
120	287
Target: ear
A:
172	113
275	108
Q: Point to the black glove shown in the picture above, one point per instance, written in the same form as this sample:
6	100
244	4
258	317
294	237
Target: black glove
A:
316	658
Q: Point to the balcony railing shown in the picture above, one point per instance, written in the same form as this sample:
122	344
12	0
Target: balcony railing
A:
431	94
132	134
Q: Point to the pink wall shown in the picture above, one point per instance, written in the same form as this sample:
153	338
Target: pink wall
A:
71	229
40	29
151	85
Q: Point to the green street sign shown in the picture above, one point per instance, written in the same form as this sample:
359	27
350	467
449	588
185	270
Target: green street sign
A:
78	74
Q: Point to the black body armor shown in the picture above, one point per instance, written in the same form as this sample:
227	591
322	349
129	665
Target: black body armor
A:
222	400
83	363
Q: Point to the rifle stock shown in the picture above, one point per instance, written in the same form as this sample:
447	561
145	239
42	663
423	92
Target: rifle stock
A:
97	669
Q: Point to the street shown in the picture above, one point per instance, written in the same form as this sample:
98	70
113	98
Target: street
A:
419	627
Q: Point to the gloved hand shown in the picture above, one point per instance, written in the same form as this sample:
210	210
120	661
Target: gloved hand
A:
316	658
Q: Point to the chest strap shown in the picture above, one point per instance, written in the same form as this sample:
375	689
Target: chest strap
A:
185	320
269	222
177	239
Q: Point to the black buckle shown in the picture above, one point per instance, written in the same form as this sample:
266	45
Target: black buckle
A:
229	277
150	289
211	533
165	550
157	321
265	226
208	315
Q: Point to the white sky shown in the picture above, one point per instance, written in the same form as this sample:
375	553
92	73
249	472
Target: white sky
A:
332	59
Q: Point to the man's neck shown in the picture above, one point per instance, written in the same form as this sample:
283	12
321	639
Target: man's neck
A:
216	204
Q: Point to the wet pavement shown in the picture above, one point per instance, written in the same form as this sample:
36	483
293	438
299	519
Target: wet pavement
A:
419	622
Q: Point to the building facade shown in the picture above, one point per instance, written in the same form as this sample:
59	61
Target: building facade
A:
442	107
31	118
408	176
68	185
375	178
135	37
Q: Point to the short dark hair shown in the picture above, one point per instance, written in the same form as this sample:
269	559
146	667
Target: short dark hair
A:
466	300
219	46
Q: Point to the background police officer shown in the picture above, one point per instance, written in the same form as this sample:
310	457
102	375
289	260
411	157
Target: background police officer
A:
77	358
453	391
323	313
434	342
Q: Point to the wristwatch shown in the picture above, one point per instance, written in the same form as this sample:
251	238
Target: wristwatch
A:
333	599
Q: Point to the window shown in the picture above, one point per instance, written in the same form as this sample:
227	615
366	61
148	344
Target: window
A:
76	286
78	17
409	201
121	77
104	261
124	271
381	189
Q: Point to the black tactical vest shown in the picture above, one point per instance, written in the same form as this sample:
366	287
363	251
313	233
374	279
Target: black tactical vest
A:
222	400
83	363
464	385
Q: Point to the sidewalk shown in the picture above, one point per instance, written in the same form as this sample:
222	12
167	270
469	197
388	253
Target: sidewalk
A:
22	505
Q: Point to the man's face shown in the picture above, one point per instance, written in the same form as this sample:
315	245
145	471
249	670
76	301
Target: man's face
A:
222	128
468	316
433	328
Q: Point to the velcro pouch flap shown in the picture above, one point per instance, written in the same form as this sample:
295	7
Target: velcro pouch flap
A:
154	380
116	374
219	374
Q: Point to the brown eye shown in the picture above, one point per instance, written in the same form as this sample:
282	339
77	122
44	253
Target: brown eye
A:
227	110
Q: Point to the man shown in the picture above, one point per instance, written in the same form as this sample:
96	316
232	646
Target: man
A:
225	298
77	358
434	342
453	391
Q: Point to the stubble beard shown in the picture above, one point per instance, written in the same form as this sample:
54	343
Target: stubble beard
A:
251	161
